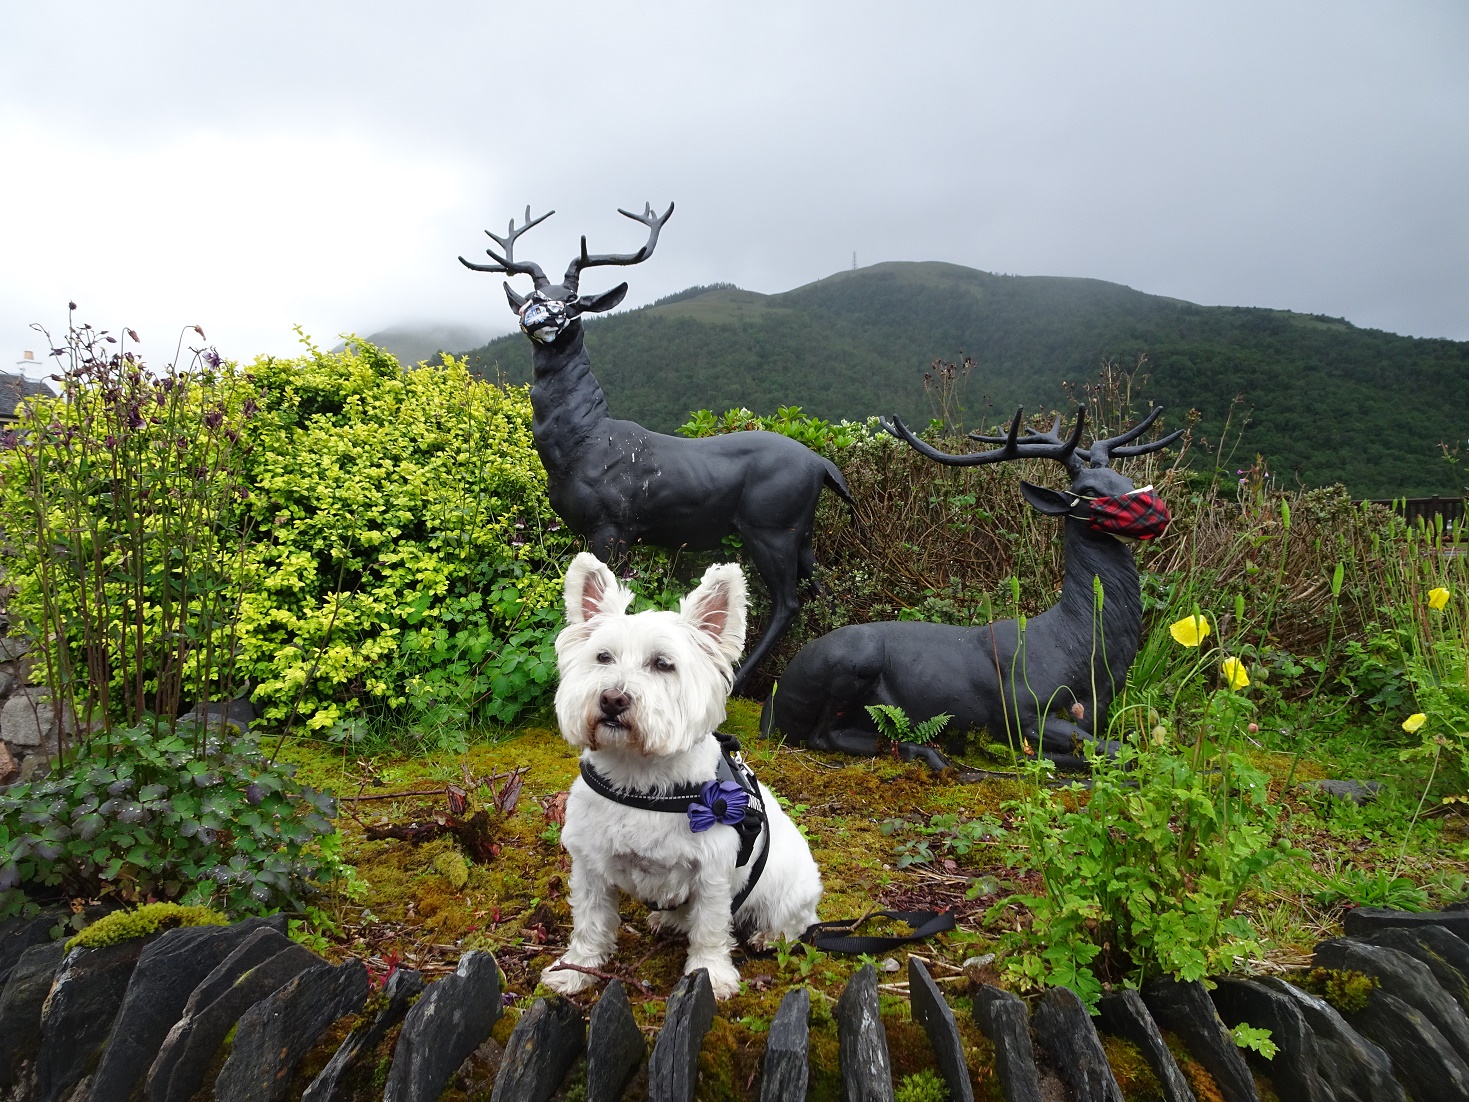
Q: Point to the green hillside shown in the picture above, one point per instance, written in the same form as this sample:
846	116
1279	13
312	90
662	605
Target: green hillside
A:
1330	402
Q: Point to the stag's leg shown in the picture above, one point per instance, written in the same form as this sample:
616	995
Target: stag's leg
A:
807	584
1062	741
776	552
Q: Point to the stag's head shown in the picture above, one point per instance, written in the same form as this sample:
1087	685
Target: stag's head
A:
1103	502
551	308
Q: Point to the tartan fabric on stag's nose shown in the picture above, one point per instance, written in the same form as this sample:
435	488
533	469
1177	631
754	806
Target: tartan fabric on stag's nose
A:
1140	515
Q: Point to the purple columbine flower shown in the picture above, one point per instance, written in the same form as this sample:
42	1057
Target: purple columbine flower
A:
718	802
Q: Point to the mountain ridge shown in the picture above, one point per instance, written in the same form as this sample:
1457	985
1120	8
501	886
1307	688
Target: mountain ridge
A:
1331	402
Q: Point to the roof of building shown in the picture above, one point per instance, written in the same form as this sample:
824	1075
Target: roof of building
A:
15	388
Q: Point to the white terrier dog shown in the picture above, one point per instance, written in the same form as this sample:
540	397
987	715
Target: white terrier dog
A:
643	695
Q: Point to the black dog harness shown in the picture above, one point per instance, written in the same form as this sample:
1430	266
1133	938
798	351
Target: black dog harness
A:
687	799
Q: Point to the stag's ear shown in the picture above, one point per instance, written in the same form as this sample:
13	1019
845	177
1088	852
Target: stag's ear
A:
592	590
1050	502
717	608
516	301
597	304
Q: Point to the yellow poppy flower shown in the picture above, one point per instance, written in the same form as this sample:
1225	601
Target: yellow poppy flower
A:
1234	673
1437	598
1414	721
1190	631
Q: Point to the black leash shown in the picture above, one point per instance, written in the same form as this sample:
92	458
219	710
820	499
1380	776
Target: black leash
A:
925	924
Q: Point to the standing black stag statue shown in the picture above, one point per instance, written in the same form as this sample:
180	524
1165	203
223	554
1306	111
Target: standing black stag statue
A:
615	483
1051	684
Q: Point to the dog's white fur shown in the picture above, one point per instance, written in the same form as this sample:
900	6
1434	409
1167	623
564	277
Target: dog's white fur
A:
675	669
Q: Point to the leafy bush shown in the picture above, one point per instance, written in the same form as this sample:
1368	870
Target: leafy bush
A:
413	564
1145	875
154	818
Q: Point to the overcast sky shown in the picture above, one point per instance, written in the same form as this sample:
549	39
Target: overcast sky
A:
250	167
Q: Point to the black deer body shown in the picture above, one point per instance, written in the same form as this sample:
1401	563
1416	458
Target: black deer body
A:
1051	684
615	482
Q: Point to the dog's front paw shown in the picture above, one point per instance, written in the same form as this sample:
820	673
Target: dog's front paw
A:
566	981
724	977
671	922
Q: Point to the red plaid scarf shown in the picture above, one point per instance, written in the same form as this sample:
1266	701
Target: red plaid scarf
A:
1140	515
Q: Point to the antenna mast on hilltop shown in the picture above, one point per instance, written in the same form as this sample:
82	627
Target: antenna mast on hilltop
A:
854	260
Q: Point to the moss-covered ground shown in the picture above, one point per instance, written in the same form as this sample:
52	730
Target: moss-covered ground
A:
420	904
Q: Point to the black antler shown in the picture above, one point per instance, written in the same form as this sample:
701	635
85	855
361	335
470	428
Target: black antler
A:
1034	445
1101	452
507	263
588	260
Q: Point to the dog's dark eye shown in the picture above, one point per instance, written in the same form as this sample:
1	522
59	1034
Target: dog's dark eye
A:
663	664
605	658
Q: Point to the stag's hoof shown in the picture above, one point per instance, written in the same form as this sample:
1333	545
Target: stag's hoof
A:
908	751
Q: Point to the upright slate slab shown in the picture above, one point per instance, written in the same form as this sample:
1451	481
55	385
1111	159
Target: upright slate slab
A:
238	983
867	1072
1186	1010
276	1032
20	1006
1294	1070
1004	1019
451	1019
615	1045
1064	1027
1353	1067
1407	979
931	1010
786	1068
1423	1061
673	1069
544	1043
19	934
79	1012
1445	954
159	989
1125	1015
1360	921
400	990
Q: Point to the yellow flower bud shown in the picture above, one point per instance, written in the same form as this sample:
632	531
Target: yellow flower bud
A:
1234	673
1414	721
1190	631
1437	598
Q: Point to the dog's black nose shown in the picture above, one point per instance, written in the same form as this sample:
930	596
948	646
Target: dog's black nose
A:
615	702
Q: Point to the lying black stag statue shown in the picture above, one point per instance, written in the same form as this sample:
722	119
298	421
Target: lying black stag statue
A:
615	483
1053	684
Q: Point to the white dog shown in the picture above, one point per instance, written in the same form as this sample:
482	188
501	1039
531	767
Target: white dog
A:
643	695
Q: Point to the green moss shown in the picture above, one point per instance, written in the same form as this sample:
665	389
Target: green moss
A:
922	1086
453	868
149	919
1347	991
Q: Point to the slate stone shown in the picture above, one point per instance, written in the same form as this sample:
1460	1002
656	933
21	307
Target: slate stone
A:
1445	954
1404	977
19	934
1002	1018
931	1010
1424	1062
787	1068
1186	1010
167	973
276	1032
1353	1067
544	1043
867	1073
402	986
78	1014
237	984
9	764
20	1006
615	1045
1064	1028
13	647
217	715
1294	1070
673	1068
1361	921
447	1023
28	719
1125	1015
1355	792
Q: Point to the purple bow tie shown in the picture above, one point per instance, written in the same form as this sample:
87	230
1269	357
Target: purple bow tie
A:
719	802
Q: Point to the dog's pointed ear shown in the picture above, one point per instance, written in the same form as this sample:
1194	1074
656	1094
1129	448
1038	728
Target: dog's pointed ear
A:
592	590
717	608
